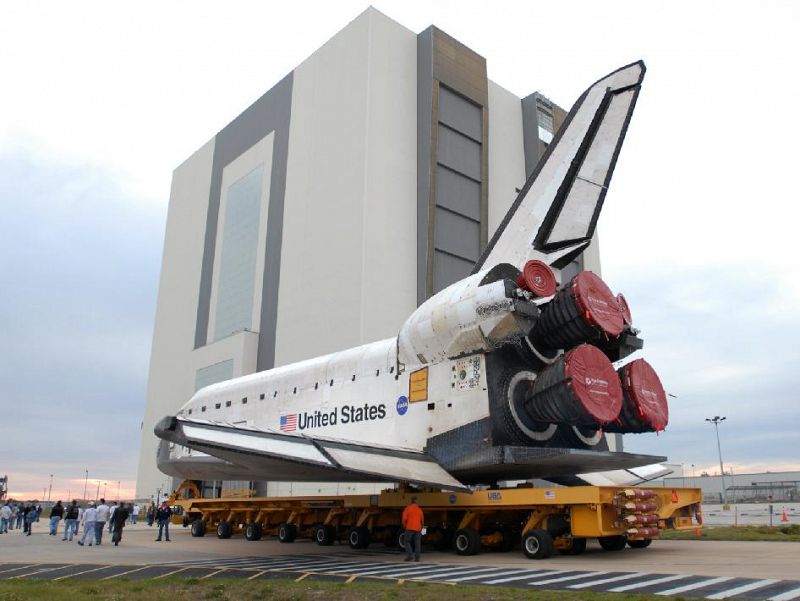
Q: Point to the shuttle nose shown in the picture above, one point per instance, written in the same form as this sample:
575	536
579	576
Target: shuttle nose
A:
166	427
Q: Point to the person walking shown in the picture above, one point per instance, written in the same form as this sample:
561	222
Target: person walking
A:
163	514
19	516
100	520
118	523
135	513
30	518
151	514
5	517
111	517
413	520
70	519
89	518
56	513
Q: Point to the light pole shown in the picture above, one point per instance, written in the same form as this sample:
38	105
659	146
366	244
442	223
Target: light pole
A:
97	494
693	475
50	490
104	489
716	421
118	484
85	484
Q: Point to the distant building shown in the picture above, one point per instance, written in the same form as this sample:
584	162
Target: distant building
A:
366	180
764	487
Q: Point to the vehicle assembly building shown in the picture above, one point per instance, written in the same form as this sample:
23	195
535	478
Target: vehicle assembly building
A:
369	178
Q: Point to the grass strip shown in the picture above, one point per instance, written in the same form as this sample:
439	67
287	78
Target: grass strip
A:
176	589
788	533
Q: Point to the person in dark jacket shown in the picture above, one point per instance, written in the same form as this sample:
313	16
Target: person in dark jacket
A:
56	513
163	515
118	519
30	518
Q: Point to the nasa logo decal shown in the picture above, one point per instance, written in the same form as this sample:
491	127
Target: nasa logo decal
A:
402	405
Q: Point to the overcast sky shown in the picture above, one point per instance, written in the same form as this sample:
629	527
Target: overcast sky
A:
102	100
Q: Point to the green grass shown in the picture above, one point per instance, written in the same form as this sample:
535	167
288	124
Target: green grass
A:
789	533
175	589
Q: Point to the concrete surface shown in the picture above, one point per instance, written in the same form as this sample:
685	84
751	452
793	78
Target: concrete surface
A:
703	558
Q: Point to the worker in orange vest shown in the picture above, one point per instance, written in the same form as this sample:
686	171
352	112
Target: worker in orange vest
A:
413	520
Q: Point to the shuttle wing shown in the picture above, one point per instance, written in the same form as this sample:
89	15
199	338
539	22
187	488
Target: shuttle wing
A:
554	217
276	456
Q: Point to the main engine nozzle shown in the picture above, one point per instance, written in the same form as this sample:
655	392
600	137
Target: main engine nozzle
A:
580	388
583	310
644	405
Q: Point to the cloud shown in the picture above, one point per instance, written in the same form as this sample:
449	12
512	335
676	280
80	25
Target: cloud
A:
80	260
721	351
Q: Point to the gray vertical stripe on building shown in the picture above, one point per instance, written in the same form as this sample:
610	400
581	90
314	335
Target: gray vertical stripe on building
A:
452	160
425	116
271	112
530	133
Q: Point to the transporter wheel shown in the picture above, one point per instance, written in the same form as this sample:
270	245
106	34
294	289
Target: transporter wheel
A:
640	544
252	531
187	521
537	544
576	547
612	543
358	537
224	529
287	532
325	535
467	541
198	528
400	539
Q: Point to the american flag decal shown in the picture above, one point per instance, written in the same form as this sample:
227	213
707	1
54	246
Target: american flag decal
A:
289	422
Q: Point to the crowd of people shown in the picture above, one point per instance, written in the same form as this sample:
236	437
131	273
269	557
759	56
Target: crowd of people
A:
84	524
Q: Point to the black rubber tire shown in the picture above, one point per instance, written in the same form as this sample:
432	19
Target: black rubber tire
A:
198	527
287	532
252	531
640	544
358	537
612	543
325	535
224	529
537	544
577	546
467	541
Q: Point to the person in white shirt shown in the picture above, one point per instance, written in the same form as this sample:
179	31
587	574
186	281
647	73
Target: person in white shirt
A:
100	520
5	516
135	512
76	524
89	518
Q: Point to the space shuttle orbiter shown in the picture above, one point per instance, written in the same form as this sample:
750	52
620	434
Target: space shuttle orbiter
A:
506	374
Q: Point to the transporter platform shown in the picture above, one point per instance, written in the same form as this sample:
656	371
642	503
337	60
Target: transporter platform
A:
539	520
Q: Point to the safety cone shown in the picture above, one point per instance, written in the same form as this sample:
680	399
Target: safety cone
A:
784	517
697	531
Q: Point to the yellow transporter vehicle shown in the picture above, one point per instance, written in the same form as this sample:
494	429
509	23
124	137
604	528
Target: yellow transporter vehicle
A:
542	520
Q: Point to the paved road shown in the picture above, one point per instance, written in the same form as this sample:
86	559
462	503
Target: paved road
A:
700	569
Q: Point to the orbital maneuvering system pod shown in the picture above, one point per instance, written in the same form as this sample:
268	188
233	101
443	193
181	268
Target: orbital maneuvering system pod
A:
506	374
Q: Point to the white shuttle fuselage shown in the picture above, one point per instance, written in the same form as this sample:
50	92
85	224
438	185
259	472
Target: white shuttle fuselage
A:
505	374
